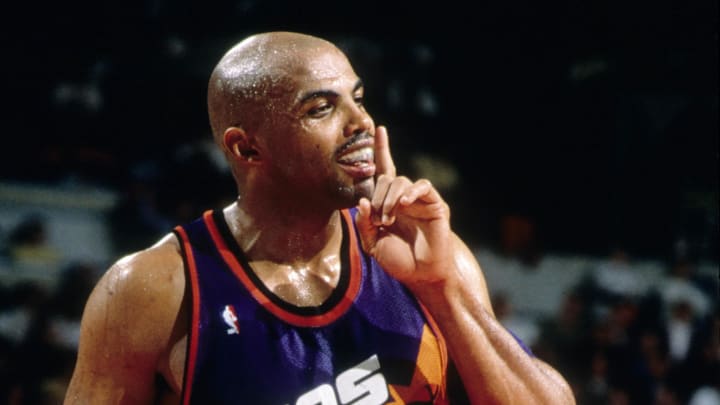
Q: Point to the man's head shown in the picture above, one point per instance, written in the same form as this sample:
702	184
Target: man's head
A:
244	78
286	109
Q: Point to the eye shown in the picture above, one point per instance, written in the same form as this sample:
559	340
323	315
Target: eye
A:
320	110
359	101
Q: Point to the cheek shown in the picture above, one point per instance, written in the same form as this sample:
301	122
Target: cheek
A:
319	156
312	144
328	126
311	157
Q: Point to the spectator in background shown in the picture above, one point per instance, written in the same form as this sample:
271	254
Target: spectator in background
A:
524	327
680	327
688	323
706	396
28	246
76	282
563	338
696	377
26	300
46	334
615	280
19	322
681	290
598	387
518	239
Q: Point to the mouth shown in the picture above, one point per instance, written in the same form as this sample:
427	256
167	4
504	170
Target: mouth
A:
357	157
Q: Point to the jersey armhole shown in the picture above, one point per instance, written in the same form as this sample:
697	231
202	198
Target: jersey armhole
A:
193	287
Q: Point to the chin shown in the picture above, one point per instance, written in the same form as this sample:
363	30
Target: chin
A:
351	194
364	189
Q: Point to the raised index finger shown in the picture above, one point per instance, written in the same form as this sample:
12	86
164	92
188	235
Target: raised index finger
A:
383	160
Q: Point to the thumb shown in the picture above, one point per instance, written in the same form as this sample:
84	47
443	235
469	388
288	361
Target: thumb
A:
368	231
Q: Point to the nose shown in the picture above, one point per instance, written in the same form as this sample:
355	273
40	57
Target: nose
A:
359	121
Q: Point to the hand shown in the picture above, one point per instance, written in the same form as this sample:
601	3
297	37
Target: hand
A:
406	225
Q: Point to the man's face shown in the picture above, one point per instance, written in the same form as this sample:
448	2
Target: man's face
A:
317	135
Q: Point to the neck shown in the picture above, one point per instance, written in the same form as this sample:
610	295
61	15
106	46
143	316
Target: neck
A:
284	235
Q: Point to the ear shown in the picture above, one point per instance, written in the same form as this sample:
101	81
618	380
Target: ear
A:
241	145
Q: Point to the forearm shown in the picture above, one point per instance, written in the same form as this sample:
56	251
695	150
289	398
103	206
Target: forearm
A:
494	368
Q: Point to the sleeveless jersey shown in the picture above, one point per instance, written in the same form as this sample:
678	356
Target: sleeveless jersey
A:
369	343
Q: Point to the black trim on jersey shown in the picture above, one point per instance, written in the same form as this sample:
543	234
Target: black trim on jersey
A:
330	303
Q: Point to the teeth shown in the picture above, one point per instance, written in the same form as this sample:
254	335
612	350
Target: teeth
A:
360	155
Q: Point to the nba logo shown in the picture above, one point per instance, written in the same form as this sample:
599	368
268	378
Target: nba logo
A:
231	320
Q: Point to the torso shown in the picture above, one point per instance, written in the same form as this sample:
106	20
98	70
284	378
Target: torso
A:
172	366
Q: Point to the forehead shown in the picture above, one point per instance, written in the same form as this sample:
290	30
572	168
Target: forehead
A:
323	69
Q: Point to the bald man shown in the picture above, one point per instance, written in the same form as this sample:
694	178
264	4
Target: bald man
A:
330	280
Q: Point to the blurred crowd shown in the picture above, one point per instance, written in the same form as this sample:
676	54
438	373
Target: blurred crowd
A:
617	338
39	331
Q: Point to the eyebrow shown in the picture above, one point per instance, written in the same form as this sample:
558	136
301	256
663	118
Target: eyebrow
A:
327	93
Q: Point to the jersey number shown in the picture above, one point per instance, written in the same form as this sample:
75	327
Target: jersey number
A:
360	385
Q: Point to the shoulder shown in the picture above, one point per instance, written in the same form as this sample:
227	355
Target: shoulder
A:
139	297
128	323
147	273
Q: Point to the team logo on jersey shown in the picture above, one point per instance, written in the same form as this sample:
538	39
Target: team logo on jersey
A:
362	384
231	320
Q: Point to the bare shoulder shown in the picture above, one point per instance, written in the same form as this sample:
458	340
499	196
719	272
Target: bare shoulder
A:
153	271
141	291
127	325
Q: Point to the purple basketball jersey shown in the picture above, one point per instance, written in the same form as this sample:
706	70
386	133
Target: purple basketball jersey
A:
369	343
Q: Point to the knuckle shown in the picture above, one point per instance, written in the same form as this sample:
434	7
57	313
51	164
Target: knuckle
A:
424	183
441	209
402	179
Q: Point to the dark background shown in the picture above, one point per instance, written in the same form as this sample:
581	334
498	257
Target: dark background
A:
578	128
596	121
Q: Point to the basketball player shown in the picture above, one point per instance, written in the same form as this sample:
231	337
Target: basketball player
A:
330	280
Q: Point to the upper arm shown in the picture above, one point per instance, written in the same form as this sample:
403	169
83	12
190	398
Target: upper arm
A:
125	329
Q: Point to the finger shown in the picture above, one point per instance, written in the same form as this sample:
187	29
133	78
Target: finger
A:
383	159
398	188
423	211
382	185
423	191
366	229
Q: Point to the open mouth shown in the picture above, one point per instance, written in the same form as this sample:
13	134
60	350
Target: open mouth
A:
358	158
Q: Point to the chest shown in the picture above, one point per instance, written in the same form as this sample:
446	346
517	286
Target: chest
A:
249	350
246	344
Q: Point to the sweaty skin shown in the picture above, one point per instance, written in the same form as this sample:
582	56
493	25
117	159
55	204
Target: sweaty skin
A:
286	109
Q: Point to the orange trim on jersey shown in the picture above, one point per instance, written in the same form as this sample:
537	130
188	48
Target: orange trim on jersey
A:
396	399
441	346
428	380
298	320
191	357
